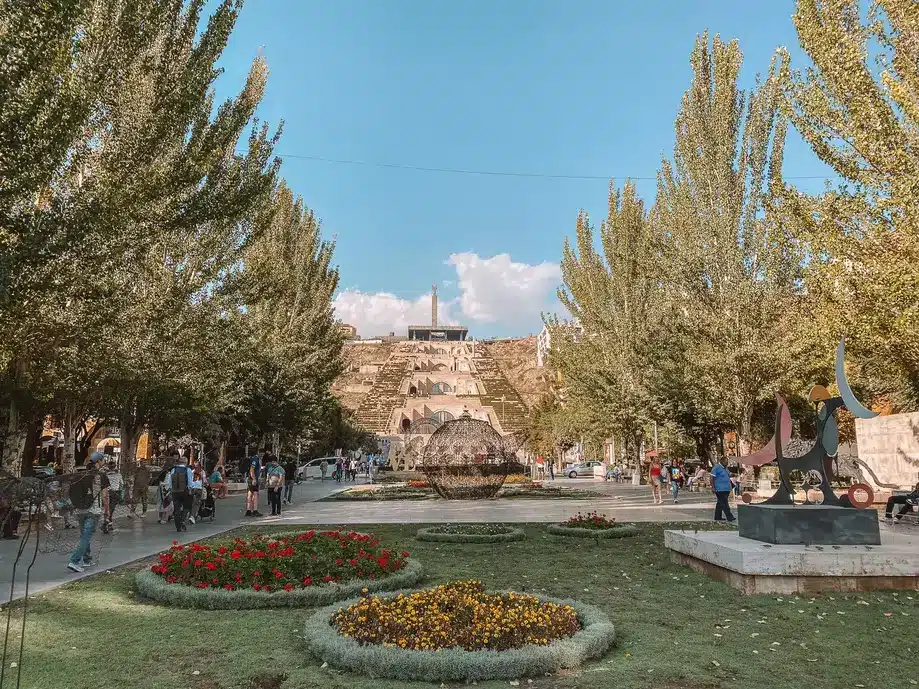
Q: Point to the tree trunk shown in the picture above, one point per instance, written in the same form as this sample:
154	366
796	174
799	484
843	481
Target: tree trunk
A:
130	436
744	446
14	443
69	459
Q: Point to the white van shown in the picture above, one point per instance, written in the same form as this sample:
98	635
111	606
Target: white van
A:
311	468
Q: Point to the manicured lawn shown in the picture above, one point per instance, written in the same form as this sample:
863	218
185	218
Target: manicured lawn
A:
676	629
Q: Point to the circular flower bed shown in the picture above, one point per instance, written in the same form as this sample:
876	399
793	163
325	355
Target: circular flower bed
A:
458	632
592	525
470	533
279	570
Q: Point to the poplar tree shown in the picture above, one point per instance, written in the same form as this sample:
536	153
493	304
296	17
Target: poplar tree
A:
293	342
858	108
729	266
612	293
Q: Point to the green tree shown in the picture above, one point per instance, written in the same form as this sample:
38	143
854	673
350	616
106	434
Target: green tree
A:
862	238
287	284
729	266
613	293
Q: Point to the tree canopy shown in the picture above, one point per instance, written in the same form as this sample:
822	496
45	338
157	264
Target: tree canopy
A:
735	285
155	270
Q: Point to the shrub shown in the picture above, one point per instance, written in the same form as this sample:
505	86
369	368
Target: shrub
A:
614	531
593	639
275	565
154	587
591	520
382	493
470	533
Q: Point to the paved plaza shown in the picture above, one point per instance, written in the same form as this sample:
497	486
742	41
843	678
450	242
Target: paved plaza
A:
141	538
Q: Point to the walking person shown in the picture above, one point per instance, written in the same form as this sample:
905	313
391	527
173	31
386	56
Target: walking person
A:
164	501
656	482
323	468
352	469
140	491
178	484
274	478
252	481
676	482
551	471
116	485
89	496
290	477
197	489
721	487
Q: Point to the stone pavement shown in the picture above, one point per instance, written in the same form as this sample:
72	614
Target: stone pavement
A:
138	539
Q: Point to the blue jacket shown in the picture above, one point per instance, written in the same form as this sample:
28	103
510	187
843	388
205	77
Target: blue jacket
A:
721	479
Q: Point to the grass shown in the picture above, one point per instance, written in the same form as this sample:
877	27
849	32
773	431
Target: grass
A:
676	629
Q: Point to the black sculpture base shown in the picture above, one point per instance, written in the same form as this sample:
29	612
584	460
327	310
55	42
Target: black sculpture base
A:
809	525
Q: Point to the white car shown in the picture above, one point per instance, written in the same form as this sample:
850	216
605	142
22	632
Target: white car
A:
311	468
583	469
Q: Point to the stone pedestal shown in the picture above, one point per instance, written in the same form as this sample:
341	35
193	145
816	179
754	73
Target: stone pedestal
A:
808	525
757	568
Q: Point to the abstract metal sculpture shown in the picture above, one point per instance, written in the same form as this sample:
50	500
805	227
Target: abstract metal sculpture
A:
819	459
466	459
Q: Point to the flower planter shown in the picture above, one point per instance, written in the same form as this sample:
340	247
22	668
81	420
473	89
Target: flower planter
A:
596	636
500	536
276	571
619	531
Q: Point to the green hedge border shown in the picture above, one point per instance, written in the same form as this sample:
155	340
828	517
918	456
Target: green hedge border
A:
154	587
597	635
429	534
621	531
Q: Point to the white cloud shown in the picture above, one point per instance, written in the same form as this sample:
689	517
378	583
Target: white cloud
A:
381	313
492	291
499	290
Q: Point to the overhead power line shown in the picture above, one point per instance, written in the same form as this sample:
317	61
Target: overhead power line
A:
485	173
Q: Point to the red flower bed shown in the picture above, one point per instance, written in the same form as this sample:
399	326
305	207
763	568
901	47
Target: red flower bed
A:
285	562
591	520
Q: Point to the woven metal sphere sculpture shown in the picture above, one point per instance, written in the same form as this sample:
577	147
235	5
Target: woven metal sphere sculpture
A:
466	459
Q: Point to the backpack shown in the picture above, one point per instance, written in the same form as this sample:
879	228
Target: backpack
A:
81	491
274	479
180	479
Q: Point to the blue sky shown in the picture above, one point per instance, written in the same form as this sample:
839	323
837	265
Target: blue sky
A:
584	88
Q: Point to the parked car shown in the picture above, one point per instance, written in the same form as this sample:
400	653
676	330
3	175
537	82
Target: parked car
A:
311	468
582	469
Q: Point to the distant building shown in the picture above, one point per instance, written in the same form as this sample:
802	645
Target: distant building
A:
435	332
349	332
544	341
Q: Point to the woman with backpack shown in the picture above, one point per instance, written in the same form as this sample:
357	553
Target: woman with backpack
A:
274	477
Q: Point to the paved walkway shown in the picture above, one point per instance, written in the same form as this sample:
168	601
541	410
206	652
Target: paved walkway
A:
142	538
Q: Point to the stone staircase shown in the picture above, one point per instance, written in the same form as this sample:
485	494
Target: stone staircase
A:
375	409
515	413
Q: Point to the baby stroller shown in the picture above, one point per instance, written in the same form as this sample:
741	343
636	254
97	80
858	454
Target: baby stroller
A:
208	505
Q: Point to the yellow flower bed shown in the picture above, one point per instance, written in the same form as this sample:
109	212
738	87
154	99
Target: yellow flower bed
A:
517	478
456	615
